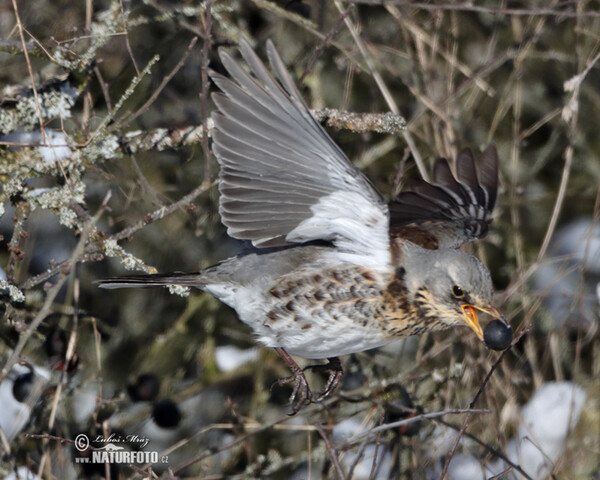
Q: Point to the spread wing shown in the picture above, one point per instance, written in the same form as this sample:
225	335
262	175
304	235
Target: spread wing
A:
450	210
282	179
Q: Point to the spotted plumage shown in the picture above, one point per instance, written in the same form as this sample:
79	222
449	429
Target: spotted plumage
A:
344	271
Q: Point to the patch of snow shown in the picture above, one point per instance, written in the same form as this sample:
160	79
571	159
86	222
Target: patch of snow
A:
53	149
229	358
350	428
22	473
546	421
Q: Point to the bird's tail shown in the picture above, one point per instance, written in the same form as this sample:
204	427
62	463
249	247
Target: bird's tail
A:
152	280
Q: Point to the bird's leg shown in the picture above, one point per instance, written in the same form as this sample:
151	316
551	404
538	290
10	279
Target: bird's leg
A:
301	387
334	367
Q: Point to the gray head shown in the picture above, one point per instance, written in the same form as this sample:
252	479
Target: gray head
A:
449	285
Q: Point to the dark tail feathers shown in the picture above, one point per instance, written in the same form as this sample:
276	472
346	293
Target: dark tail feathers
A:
153	280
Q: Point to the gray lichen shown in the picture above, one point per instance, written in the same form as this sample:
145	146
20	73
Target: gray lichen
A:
24	115
129	261
16	295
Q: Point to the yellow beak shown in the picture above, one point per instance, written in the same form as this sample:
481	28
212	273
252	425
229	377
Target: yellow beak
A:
472	320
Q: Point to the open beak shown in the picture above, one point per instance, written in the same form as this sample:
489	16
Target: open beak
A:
469	311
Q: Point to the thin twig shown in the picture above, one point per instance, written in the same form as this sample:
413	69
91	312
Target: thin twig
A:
474	402
560	197
332	452
572	123
128	92
206	46
30	70
130	118
383	89
305	24
104	88
243	438
126	35
47	436
407	421
359	455
472	7
51	295
35	49
377	445
489	448
324	42
161	212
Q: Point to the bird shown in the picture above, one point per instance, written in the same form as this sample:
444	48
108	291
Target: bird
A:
333	268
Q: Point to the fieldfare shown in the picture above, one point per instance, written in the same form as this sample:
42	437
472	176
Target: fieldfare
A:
334	269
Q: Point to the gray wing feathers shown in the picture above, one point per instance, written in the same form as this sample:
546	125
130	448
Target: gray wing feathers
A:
276	161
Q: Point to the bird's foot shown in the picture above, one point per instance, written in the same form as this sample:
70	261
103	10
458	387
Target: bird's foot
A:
334	367
301	393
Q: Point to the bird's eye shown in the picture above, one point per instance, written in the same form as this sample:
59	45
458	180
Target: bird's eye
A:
458	291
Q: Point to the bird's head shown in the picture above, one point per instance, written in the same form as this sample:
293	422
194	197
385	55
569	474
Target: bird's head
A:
453	287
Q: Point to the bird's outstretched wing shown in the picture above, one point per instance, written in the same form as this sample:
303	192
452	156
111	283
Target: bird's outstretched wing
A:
450	210
283	180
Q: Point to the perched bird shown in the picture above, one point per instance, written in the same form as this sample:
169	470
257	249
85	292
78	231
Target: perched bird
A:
335	270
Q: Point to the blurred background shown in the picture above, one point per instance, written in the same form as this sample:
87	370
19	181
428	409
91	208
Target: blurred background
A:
105	169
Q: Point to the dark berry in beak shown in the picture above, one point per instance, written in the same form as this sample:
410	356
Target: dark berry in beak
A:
497	335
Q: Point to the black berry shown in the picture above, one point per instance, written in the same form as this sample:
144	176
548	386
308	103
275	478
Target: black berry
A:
166	413
497	335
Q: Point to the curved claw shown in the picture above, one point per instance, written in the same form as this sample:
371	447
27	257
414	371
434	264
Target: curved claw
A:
334	367
301	388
